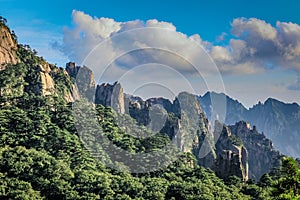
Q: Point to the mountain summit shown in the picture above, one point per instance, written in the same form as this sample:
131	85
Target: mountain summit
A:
277	120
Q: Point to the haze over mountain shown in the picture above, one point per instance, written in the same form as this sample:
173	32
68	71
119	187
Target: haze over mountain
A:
279	121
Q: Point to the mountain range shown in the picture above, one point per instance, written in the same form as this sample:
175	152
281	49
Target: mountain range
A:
63	136
279	121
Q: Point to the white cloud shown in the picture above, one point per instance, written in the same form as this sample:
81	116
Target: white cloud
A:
114	50
289	40
253	29
254	46
261	44
102	27
221	54
157	24
157	42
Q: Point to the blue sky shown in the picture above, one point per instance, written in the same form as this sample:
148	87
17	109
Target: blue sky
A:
41	23
208	18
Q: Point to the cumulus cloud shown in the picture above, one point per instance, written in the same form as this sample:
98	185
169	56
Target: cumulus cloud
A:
254	46
88	32
114	50
98	41
253	29
258	46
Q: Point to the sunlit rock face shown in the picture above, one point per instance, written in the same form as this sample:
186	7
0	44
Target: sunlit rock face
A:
84	81
111	95
8	48
262	156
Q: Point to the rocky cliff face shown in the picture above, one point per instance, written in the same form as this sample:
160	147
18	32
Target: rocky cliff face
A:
47	83
193	123
279	121
235	111
40	76
72	69
111	95
8	47
232	158
187	127
84	81
262	156
139	109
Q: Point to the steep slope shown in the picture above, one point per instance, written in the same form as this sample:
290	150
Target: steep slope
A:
83	79
232	156
277	120
235	111
280	122
35	76
262	156
8	47
187	127
111	95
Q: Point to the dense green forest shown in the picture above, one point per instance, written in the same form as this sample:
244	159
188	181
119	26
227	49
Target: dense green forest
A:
42	156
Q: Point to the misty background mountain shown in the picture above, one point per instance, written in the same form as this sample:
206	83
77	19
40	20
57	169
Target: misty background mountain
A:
279	121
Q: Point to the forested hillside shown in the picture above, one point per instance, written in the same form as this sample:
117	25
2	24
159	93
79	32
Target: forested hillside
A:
42	156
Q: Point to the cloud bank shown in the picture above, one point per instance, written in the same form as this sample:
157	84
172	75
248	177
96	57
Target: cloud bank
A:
259	46
89	32
254	46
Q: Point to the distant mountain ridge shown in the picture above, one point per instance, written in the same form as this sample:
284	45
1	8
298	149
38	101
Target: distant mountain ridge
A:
238	149
279	121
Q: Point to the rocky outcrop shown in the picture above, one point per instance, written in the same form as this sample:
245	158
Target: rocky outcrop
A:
139	109
84	81
262	157
279	121
189	129
185	121
234	150
231	158
40	80
8	47
47	82
49	75
193	123
235	111
72	69
72	94
111	95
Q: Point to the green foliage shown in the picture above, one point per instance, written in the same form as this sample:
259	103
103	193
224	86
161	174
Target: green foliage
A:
12	188
236	140
3	21
287	186
29	56
42	156
128	135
